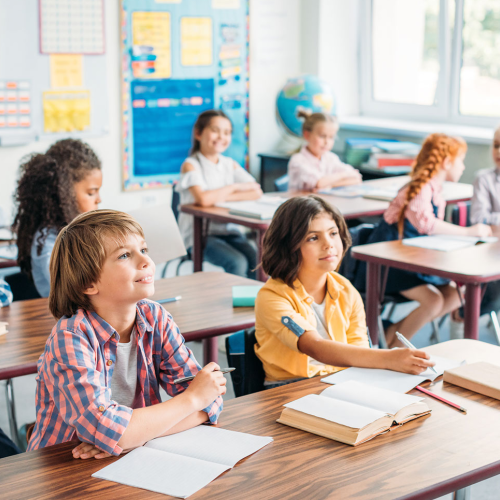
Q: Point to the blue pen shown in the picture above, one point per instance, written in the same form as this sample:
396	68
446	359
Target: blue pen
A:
171	299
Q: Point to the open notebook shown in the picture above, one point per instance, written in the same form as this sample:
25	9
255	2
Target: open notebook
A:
388	379
181	464
352	412
263	208
445	243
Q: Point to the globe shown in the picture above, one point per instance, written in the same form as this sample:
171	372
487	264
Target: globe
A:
306	92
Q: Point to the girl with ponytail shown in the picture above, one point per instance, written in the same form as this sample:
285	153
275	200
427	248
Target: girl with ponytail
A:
417	210
52	190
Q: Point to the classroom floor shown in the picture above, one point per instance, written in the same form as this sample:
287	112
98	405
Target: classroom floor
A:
24	387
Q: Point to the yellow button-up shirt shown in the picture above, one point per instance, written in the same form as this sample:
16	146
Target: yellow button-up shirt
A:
277	344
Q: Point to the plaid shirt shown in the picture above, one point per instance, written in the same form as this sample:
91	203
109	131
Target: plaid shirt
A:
73	395
5	294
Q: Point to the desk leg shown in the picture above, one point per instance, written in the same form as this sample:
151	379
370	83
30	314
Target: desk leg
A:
197	244
472	308
463	494
11	410
210	350
261	275
372	299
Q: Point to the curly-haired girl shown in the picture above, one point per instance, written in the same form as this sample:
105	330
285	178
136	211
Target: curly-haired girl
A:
418	209
52	190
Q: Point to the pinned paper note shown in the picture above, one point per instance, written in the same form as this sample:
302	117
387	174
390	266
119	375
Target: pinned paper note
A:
225	4
66	111
66	70
196	41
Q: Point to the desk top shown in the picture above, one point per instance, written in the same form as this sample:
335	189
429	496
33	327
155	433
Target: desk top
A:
426	458
205	310
350	208
475	264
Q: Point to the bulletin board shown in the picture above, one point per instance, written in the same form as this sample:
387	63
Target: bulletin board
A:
180	57
52	70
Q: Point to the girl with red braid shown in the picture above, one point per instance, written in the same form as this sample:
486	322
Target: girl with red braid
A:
418	209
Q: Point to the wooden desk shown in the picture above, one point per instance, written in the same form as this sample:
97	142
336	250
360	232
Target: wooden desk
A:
350	208
423	459
205	311
471	266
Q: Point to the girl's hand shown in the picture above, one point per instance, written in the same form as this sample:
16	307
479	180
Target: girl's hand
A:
208	384
408	361
480	230
86	450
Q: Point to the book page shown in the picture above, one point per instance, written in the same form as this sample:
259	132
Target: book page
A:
162	472
388	379
211	444
371	397
446	243
340	412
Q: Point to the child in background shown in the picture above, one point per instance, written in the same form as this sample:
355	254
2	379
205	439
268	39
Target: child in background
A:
5	293
53	189
485	208
418	209
99	376
208	177
315	166
310	320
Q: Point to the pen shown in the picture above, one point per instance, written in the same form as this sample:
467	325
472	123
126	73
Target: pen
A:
171	299
187	379
408	344
435	396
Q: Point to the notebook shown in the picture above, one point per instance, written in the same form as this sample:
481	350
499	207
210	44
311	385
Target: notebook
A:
263	208
391	380
181	464
445	243
352	412
244	296
481	377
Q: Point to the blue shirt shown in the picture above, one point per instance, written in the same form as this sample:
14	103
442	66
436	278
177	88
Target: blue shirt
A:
40	263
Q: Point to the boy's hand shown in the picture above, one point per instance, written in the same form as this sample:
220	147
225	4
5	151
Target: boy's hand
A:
206	386
86	450
409	361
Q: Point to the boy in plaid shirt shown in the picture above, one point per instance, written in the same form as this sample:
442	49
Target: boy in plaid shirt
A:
99	376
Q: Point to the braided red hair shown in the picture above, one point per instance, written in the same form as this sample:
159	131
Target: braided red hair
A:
435	150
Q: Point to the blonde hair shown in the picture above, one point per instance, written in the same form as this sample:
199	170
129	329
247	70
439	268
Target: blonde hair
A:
79	254
312	119
435	150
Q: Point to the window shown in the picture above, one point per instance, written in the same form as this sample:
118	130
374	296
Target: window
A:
432	59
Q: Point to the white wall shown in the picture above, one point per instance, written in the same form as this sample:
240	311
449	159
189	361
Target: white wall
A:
274	57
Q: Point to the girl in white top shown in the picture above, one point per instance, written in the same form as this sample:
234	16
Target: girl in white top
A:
315	166
208	177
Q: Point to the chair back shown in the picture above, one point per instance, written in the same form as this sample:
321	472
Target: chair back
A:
22	286
359	235
176	200
249	374
281	183
460	214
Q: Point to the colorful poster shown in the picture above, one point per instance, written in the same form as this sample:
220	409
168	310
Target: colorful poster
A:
230	55
196	41
66	111
15	104
151	50
66	70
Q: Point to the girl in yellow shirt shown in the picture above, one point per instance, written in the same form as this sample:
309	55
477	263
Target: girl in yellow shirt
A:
310	320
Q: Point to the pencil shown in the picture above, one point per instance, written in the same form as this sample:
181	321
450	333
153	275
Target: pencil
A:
439	398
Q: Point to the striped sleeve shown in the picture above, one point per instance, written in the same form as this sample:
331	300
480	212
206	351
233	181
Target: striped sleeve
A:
178	361
82	399
5	294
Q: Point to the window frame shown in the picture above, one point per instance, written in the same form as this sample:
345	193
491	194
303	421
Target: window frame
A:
446	108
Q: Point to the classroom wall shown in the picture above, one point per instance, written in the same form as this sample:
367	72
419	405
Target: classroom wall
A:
275	56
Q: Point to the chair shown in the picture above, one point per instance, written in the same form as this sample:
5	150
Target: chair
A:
249	374
281	183
22	286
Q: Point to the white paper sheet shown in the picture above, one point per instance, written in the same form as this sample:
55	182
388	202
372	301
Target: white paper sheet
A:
372	397
162	472
388	379
340	412
446	243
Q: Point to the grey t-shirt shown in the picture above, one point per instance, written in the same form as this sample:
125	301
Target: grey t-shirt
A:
124	380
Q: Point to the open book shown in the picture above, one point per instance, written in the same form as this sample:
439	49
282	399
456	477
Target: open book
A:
263	208
352	412
445	243
183	463
391	380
